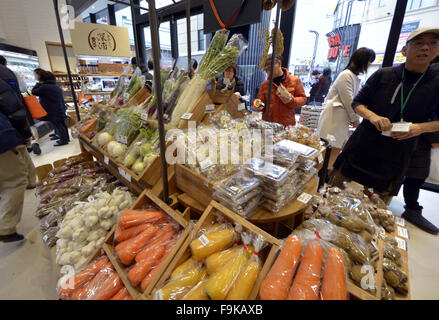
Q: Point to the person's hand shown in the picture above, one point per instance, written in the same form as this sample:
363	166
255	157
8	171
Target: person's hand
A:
415	130
238	94
434	145
355	124
257	105
381	123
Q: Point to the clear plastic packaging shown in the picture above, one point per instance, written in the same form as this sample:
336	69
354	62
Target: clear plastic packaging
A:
289	146
237	185
270	173
303	135
223	197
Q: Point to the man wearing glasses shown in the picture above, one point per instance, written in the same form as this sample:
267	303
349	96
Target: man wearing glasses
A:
398	104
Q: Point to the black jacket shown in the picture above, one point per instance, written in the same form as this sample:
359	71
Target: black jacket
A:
420	161
239	85
14	126
320	89
52	100
378	161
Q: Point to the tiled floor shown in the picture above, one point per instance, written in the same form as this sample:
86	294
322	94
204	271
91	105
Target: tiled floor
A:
27	272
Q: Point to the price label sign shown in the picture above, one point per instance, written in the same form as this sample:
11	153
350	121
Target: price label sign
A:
121	139
205	164
400	221
204	240
144	116
210	108
402	244
124	174
186	116
320	158
304	198
403	232
241	106
106	160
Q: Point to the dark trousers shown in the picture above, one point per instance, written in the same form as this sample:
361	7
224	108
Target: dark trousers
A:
61	130
411	191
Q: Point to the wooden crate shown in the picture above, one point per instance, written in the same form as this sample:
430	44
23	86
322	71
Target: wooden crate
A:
206	219
141	97
148	198
193	184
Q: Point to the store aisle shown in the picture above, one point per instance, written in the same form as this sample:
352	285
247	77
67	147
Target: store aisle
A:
27	270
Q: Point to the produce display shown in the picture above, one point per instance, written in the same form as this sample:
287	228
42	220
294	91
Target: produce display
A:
310	115
218	58
76	180
125	89
219	268
344	218
319	275
143	240
142	151
97	281
86	226
301	134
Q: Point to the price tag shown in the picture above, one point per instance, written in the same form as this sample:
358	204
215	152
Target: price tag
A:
186	116
241	106
320	158
304	198
403	232
144	116
106	160
210	108
401	126
204	240
400	221
206	163
159	295
402	244
121	139
124	174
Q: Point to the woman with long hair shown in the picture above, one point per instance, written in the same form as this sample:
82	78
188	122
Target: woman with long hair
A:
338	114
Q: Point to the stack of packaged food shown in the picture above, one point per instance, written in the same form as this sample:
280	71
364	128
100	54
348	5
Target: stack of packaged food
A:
240	193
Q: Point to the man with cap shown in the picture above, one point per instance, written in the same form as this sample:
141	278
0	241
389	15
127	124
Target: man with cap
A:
287	94
398	104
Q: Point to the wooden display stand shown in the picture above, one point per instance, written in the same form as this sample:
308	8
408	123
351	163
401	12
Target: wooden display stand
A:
143	96
206	219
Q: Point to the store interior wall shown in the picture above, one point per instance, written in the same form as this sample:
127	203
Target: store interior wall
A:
29	23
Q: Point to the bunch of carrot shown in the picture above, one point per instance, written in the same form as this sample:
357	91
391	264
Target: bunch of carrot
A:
144	240
307	284
99	281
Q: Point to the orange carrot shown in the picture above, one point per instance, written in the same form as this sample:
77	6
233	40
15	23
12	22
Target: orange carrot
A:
145	282
277	282
121	294
106	289
81	293
157	235
129	251
136	211
306	284
81	278
140	217
334	277
158	241
141	268
129	233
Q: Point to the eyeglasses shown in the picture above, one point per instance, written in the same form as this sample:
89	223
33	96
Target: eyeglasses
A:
420	43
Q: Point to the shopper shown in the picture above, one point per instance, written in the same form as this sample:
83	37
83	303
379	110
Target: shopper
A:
417	173
230	81
287	94
134	66
194	65
151	66
14	133
51	98
338	113
320	89
407	92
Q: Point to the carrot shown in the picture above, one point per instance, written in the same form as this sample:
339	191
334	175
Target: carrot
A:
306	284
128	212
106	289
334	277
82	293
161	222
88	124
81	278
139	217
129	251
129	233
145	282
158	241
121	294
141	268
157	235
277	282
